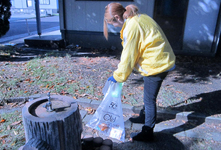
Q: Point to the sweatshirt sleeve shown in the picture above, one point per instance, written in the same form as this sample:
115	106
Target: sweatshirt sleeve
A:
130	53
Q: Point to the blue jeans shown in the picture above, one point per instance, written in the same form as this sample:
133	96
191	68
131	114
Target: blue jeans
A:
152	86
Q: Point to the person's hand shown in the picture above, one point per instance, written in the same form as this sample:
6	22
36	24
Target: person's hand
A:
112	79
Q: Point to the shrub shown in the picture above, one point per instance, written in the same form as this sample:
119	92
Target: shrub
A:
5	14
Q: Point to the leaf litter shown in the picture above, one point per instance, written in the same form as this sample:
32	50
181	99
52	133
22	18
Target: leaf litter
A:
79	77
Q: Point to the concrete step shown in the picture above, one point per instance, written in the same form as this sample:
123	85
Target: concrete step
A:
49	41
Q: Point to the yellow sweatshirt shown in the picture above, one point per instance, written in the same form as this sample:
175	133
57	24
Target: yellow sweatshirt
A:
145	48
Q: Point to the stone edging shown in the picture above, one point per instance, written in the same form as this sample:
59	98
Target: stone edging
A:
128	109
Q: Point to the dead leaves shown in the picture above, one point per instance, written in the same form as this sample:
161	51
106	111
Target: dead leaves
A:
4	136
13	124
16	123
9	127
7	138
90	110
141	88
63	92
17	104
2	120
27	80
130	94
9	89
51	87
71	81
77	95
47	86
38	77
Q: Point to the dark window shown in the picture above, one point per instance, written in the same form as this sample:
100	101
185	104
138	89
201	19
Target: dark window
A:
171	16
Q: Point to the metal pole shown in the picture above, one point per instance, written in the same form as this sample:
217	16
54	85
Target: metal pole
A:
27	26
37	10
217	33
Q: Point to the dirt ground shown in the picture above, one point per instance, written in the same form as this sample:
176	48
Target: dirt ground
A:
78	72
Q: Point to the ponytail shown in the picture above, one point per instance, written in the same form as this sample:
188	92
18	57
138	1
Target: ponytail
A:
105	29
131	10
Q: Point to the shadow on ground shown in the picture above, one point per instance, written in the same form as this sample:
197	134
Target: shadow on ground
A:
162	141
193	69
208	105
190	69
21	52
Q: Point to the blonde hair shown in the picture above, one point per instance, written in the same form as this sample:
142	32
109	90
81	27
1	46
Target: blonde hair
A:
113	9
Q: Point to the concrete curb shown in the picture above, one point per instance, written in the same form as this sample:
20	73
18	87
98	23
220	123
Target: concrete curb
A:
165	114
171	122
131	110
21	99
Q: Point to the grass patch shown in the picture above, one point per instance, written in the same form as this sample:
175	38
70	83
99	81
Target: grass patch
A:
81	77
59	75
12	134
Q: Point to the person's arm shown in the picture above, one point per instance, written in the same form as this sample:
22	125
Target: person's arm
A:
130	54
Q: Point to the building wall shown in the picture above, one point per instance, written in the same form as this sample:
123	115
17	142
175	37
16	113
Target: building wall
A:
20	6
53	5
81	22
200	25
88	15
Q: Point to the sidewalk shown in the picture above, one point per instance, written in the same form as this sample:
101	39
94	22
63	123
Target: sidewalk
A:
171	126
19	38
47	32
170	120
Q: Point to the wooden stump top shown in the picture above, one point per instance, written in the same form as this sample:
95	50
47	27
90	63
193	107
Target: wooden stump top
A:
62	106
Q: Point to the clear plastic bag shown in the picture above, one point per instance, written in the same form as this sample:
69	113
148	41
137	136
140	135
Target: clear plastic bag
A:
108	118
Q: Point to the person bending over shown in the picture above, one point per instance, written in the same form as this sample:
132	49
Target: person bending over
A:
145	49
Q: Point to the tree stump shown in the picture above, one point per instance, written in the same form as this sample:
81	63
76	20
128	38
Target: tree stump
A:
60	129
36	144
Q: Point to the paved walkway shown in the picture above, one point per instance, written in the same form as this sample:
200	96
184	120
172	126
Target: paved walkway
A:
170	124
179	124
174	130
16	39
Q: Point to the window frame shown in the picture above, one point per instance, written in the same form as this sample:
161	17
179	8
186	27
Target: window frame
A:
49	2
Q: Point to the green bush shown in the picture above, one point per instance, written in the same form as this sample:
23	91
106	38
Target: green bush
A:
5	14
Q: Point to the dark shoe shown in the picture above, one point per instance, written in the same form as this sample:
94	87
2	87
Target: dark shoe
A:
140	118
146	135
